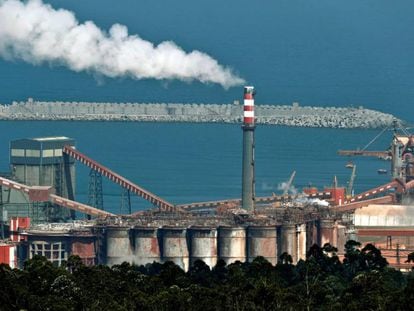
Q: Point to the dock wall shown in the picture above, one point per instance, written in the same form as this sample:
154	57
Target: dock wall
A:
286	115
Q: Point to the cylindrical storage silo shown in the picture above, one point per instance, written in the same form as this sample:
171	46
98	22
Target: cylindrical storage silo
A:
341	238
288	241
118	246
311	234
232	244
327	232
147	248
203	245
174	246
262	241
302	244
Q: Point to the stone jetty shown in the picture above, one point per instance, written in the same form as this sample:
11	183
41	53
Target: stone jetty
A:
284	115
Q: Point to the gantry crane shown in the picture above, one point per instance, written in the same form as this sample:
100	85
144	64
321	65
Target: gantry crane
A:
401	153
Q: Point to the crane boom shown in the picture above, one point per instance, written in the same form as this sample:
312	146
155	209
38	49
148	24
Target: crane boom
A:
378	154
289	183
351	181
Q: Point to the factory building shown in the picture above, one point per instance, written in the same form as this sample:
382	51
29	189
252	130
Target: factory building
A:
229	230
40	162
183	244
57	241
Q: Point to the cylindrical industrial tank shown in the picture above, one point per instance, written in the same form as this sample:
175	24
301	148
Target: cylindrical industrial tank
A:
147	248
302	244
288	241
118	246
327	232
262	241
175	247
232	244
311	234
341	238
203	245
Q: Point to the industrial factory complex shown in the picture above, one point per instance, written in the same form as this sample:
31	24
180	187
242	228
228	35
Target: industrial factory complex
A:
42	217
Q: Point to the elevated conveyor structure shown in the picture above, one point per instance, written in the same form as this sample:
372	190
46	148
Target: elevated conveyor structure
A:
44	194
35	193
350	207
409	185
118	179
397	184
259	200
83	208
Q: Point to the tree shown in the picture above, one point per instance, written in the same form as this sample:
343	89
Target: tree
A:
372	258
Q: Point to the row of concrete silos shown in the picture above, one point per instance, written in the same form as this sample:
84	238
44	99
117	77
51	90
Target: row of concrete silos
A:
183	246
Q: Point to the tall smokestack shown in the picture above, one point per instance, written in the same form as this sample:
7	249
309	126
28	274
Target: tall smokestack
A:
248	149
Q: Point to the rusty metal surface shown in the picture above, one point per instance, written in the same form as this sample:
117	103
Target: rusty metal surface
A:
288	241
174	246
397	184
349	207
342	237
118	246
80	207
146	245
385	232
35	193
262	241
311	234
84	247
327	232
364	153
203	245
232	244
302	241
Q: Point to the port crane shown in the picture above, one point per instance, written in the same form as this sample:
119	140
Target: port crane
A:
363	152
401	153
350	188
289	183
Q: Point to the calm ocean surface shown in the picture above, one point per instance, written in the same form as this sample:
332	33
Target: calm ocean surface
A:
316	52
197	162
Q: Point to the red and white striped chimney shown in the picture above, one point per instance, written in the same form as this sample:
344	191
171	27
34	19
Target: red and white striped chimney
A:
248	105
248	127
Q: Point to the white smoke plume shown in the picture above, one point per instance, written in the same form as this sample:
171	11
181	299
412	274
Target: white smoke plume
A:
37	33
304	200
284	186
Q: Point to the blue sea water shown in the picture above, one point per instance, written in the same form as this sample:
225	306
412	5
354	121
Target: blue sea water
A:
198	162
316	52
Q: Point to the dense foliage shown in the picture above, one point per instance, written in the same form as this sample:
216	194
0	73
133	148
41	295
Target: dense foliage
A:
321	282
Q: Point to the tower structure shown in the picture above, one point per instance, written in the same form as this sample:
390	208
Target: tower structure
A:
248	127
40	162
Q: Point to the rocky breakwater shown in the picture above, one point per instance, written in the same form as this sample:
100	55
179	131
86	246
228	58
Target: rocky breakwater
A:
285	115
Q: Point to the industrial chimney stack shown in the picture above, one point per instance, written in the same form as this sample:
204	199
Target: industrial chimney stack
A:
248	149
